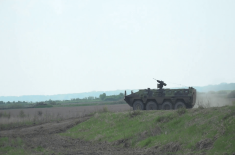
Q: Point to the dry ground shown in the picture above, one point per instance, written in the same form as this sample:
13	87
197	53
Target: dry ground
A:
45	135
47	114
68	111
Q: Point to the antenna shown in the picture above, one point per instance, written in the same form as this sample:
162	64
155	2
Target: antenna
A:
154	79
178	84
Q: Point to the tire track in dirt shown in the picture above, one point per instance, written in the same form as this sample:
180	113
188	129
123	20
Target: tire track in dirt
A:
43	129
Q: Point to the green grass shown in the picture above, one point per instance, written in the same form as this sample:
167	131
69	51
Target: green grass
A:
15	146
39	149
76	105
12	146
64	104
43	106
16	124
90	104
195	130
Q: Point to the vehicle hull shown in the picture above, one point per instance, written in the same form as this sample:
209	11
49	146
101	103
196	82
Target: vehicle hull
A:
160	96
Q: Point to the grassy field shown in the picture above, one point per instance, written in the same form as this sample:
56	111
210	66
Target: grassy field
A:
200	130
59	104
91	104
11	118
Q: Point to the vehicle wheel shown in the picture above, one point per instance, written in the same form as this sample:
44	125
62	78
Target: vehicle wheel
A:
179	105
138	105
151	106
166	106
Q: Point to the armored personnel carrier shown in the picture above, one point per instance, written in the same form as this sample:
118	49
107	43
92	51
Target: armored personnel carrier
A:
161	99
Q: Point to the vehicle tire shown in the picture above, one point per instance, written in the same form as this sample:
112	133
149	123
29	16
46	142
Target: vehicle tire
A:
167	106
151	106
138	105
179	105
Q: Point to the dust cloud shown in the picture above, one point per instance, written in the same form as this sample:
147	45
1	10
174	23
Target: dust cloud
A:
211	100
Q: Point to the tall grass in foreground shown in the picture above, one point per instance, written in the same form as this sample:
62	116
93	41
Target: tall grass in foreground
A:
199	130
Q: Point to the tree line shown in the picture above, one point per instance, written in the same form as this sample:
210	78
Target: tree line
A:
102	97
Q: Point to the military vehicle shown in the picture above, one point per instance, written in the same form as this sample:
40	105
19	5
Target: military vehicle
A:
161	99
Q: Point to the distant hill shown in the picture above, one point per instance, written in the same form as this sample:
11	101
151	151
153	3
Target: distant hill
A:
222	86
35	98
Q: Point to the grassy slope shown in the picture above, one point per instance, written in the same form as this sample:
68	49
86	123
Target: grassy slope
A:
209	130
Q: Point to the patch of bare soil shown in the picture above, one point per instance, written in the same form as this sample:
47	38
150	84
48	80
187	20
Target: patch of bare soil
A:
169	148
205	144
46	136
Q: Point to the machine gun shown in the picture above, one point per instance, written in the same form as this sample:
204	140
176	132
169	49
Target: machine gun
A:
161	84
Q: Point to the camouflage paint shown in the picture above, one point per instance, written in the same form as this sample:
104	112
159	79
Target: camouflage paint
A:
187	96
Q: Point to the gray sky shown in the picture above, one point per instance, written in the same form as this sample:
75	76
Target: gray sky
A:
71	46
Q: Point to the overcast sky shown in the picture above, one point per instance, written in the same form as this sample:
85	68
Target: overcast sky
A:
72	46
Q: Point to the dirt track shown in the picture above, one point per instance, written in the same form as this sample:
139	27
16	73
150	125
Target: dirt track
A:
45	136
